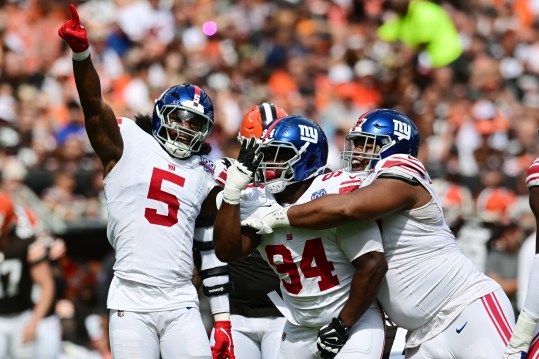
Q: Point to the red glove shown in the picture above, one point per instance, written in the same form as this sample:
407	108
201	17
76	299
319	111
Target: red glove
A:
73	33
223	348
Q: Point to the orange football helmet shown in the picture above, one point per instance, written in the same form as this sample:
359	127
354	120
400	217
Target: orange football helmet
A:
259	117
7	213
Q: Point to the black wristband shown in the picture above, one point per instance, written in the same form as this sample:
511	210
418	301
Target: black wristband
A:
340	326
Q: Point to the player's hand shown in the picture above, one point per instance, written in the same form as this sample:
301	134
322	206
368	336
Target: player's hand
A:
331	338
241	173
29	332
223	347
250	156
73	33
276	217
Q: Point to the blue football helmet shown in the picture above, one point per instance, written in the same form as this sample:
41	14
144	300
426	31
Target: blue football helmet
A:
182	119
295	149
376	135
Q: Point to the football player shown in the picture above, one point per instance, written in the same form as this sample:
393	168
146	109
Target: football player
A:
23	263
257	325
328	279
160	197
449	308
525	339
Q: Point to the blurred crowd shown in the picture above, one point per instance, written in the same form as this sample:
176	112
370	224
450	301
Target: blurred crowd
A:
327	60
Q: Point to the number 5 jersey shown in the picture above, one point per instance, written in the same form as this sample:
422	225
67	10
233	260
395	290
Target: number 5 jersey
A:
153	200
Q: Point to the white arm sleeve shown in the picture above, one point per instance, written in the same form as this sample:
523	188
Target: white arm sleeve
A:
214	283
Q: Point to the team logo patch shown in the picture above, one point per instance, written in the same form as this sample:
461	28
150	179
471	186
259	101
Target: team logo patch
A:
318	194
209	165
121	313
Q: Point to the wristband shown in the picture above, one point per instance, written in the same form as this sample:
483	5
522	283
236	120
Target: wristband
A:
221	316
80	56
346	327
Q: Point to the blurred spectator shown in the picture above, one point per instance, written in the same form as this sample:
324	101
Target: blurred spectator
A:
472	239
75	125
23	263
502	260
62	199
423	25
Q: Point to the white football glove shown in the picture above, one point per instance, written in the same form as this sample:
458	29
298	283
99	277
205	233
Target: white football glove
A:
241	172
265	219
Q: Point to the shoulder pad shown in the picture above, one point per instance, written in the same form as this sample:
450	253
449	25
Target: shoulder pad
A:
336	182
532	177
403	164
401	176
221	168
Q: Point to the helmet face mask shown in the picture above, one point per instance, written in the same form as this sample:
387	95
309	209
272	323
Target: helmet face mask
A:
295	149
277	168
362	151
376	135
182	119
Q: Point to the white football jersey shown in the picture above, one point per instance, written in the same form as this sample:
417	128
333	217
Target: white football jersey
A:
429	281
314	266
153	200
532	176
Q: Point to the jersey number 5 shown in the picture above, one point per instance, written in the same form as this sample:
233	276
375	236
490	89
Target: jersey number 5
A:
312	252
156	192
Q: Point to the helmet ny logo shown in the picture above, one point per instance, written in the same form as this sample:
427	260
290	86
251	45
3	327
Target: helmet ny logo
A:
402	130
308	134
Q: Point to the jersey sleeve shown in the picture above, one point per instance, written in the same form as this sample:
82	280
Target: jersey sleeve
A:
532	177
357	239
221	167
336	182
405	167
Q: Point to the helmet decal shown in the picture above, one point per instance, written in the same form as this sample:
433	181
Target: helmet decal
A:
402	130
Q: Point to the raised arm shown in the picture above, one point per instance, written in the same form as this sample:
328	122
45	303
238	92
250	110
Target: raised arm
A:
231	242
99	119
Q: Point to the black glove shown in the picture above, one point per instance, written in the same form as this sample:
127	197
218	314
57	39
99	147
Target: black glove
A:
250	156
331	338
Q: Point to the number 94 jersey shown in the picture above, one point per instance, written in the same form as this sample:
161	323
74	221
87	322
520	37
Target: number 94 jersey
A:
153	200
315	267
